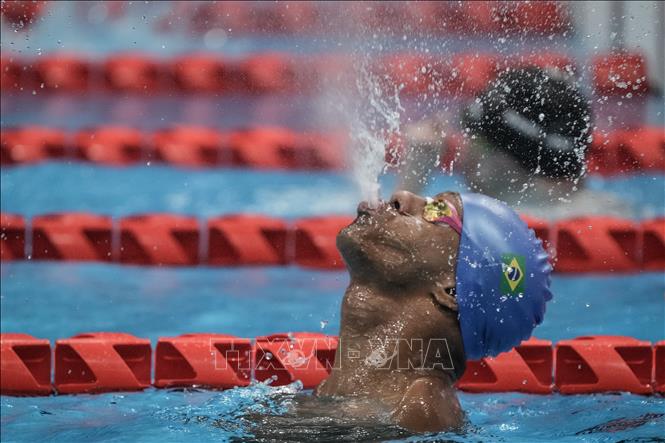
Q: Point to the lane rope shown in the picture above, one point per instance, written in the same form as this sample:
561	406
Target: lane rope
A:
110	361
620	74
610	153
580	245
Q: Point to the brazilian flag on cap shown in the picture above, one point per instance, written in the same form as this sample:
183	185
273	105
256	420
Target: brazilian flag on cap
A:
512	270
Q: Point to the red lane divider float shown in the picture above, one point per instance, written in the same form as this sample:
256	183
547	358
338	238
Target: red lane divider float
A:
653	244
315	242
596	364
12	237
72	237
31	144
463	75
210	360
659	366
25	364
22	14
430	18
163	239
580	245
248	240
186	146
620	74
596	244
109	146
525	368
639	149
312	18
104	361
285	358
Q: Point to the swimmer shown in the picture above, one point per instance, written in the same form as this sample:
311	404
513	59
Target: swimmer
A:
528	133
433	282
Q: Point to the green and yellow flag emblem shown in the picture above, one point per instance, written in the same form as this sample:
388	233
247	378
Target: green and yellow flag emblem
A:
513	268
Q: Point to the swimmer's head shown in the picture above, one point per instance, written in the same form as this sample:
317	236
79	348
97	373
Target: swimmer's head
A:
537	117
395	243
471	252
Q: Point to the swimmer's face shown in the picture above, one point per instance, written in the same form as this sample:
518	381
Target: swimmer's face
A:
395	244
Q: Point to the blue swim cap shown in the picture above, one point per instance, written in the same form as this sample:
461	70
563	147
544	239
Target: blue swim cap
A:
503	277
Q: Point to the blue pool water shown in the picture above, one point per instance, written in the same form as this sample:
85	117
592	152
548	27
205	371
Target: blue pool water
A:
55	300
57	187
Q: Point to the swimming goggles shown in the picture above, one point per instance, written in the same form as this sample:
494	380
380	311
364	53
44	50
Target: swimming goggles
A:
442	211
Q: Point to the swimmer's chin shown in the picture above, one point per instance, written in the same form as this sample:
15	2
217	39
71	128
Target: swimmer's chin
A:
364	250
351	243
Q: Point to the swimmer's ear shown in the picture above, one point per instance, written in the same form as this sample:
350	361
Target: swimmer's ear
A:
444	294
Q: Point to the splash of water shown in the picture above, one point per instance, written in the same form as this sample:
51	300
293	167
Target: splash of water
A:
376	119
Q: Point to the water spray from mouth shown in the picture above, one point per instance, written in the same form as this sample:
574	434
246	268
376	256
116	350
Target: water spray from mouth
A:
376	119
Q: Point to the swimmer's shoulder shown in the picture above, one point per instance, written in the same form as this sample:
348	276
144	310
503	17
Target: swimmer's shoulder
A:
429	405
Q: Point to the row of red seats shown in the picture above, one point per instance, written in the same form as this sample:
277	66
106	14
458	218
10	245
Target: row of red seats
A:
620	151
106	361
457	75
542	18
189	146
581	245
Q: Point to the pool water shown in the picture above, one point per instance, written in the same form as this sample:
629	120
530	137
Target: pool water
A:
177	416
60	186
56	300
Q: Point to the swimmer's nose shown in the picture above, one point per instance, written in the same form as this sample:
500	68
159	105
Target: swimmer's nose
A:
367	208
363	208
407	202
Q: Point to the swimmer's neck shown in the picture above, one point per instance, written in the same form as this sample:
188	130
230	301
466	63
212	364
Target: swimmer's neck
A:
390	336
383	329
